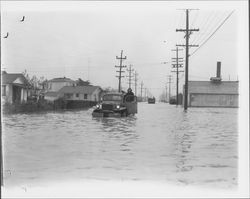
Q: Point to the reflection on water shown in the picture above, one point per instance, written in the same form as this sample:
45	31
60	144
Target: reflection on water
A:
160	143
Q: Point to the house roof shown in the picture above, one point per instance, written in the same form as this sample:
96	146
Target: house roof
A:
51	94
209	87
78	89
61	79
10	78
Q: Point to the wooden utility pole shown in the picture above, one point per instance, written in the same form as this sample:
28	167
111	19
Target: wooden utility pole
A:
141	89
169	87
145	93
187	35
120	69
136	79
166	92
177	65
130	75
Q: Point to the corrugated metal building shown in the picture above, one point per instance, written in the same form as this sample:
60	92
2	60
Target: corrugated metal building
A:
210	94
213	93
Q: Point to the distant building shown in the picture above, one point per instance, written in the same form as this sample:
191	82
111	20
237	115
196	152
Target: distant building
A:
51	96
80	93
213	93
15	88
85	93
56	84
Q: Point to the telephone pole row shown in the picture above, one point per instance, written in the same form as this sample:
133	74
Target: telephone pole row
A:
187	35
120	69
136	79
141	89
145	93
130	75
177	66
169	87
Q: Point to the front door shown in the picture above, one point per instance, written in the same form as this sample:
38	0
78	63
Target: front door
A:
16	97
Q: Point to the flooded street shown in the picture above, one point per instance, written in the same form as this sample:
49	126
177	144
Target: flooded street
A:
160	143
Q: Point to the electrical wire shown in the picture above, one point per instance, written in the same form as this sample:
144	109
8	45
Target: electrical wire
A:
212	27
213	33
207	27
205	21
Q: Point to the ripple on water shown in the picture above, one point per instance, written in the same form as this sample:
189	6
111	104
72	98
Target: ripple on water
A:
160	143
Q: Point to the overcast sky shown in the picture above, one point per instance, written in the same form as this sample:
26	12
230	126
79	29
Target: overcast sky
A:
82	39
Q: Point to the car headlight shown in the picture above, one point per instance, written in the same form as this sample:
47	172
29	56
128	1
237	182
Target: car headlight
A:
117	106
99	106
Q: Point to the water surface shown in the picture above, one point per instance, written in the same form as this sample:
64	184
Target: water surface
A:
160	143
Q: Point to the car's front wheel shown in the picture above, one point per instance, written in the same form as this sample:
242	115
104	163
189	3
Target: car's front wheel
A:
124	113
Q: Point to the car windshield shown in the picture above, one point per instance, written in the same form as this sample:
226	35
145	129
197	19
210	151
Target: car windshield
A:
112	98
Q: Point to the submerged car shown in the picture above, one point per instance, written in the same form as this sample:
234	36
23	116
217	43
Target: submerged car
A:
116	105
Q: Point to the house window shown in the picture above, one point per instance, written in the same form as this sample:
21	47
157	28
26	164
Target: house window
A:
3	90
68	95
85	96
77	94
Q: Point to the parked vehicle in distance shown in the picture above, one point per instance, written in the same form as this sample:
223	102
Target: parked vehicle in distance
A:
151	100
116	105
172	100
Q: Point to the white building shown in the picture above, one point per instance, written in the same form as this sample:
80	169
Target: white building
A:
56	84
15	88
84	93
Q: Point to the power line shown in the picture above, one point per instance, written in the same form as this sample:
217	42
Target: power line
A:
204	24
208	27
211	27
213	33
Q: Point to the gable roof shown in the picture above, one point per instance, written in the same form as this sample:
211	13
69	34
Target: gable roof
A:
209	87
78	89
61	79
9	78
51	94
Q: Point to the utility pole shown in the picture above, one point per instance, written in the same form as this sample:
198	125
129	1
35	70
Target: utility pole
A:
187	35
136	79
120	69
166	92
141	89
145	93
177	65
130	75
169	87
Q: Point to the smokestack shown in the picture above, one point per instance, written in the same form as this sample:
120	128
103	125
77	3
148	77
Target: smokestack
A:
218	69
217	79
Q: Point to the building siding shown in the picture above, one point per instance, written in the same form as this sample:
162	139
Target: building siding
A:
211	94
8	97
213	100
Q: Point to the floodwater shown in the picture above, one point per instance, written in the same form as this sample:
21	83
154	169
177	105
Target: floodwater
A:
160	143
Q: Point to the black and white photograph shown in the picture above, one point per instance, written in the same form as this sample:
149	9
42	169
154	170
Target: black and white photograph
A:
125	99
